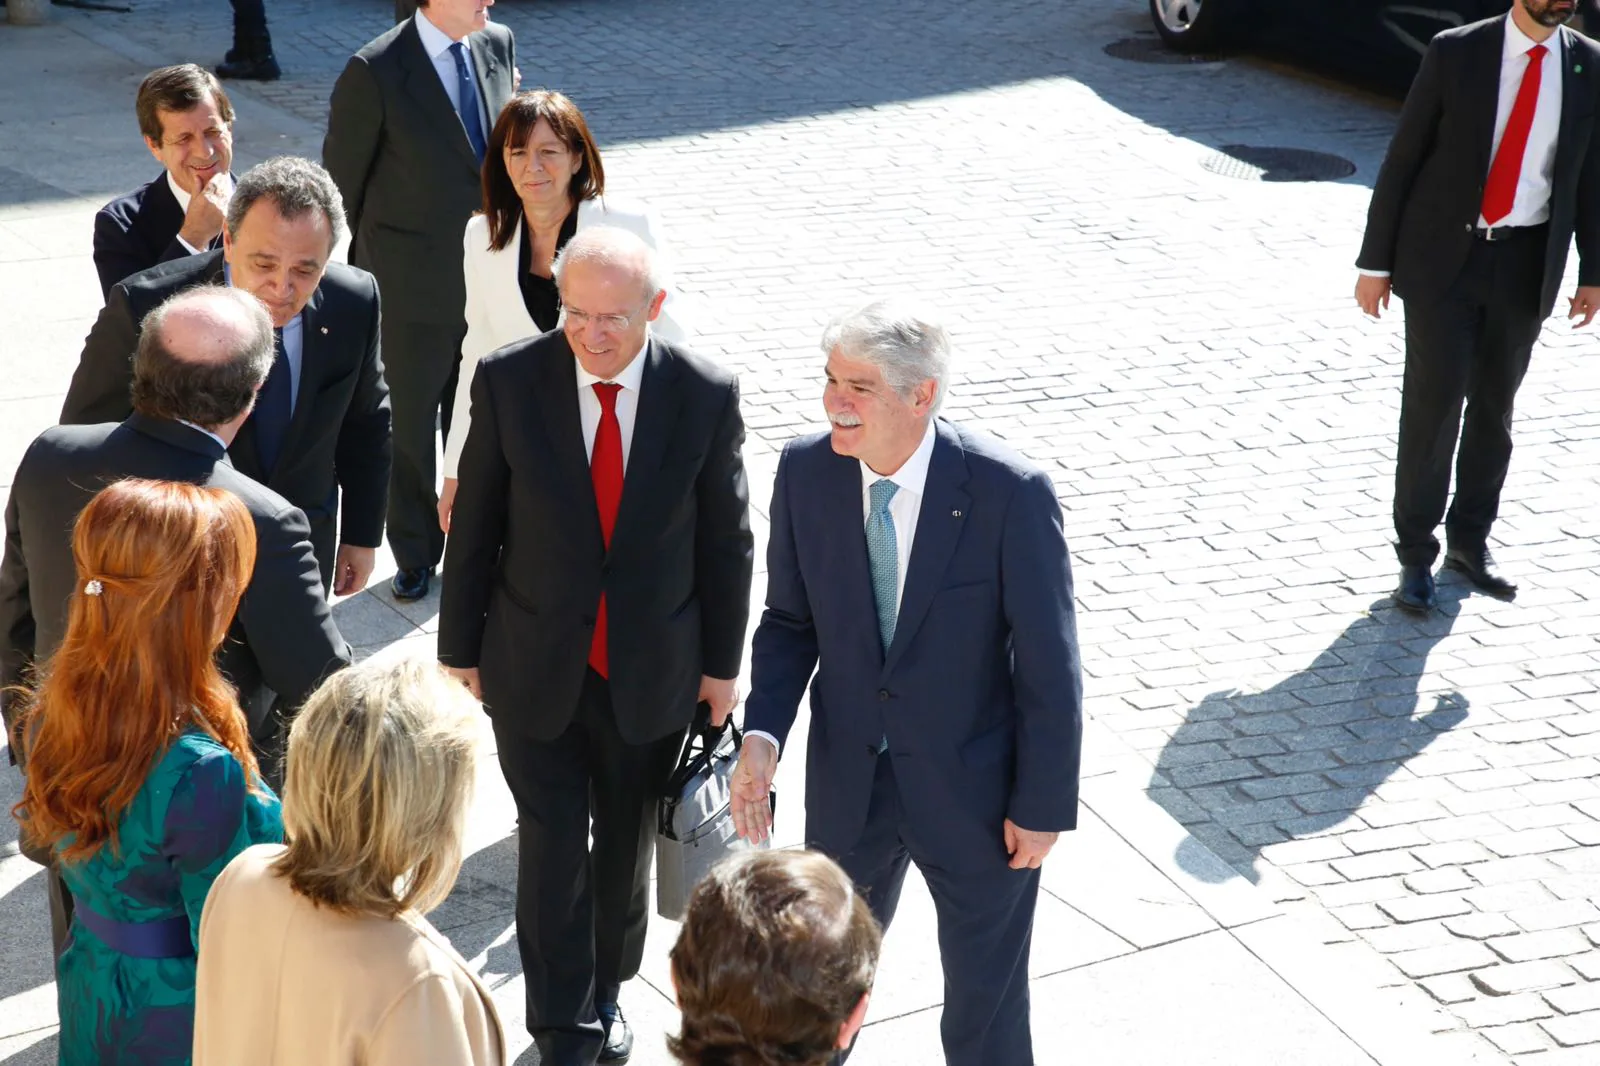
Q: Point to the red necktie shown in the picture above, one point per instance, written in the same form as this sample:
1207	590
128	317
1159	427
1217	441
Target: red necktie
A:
1500	191
605	469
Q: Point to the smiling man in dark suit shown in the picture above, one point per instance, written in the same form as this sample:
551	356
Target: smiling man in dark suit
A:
918	571
321	425
187	123
1494	167
407	129
597	585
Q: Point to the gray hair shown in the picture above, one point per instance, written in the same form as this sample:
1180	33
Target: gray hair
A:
619	249
903	341
212	378
295	186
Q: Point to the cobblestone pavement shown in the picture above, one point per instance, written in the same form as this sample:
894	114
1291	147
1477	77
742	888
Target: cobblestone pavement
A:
1181	349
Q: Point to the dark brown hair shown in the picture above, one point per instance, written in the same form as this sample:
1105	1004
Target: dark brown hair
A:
775	952
161	566
514	126
177	89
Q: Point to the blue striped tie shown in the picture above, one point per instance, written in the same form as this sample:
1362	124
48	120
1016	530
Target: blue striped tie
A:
884	556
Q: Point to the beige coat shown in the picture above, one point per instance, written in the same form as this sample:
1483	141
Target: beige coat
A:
284	983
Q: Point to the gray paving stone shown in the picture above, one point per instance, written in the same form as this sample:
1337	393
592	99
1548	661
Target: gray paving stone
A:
1555	915
1523	977
1480	926
1449	958
1423	908
1503	1010
1576	1030
1526	947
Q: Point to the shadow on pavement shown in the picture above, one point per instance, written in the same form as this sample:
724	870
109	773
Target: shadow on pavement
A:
1249	769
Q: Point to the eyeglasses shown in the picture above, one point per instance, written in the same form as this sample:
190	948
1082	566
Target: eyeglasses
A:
609	323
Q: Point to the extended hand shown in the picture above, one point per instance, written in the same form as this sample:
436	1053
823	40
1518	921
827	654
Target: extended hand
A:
752	787
1027	848
1372	293
1585	302
447	502
352	567
722	695
468	676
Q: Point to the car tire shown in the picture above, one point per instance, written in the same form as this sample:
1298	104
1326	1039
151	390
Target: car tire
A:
1191	25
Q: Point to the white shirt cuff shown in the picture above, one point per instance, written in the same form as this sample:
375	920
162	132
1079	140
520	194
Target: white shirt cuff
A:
192	249
768	737
1372	273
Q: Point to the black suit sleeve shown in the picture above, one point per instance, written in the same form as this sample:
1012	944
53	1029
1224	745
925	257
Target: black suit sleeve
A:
362	454
285	612
477	530
1413	138
99	389
1587	230
783	654
724	547
355	128
17	629
1046	680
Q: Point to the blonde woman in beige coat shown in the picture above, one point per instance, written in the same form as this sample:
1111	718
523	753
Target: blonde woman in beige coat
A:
316	953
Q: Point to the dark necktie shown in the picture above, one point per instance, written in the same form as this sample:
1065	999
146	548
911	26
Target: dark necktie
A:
1500	191
274	406
469	102
605	470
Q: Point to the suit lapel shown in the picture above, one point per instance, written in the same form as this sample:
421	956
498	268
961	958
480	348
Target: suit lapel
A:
843	519
1577	110
653	424
504	267
939	523
1484	87
488	71
423	85
556	381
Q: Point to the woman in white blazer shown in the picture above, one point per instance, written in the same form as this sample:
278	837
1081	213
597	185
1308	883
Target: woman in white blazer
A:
542	182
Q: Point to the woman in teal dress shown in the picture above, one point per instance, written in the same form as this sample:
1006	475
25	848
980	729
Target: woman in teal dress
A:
140	776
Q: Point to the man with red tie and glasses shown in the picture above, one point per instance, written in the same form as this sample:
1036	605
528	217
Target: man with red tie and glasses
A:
1495	165
597	585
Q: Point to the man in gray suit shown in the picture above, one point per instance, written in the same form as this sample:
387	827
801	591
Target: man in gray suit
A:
407	129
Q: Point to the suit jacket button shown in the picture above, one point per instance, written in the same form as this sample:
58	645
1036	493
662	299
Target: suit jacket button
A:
883	694
1469	227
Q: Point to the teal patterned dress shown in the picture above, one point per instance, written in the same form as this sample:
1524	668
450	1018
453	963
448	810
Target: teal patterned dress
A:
193	814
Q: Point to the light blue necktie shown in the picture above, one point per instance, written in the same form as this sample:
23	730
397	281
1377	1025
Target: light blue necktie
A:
884	556
469	102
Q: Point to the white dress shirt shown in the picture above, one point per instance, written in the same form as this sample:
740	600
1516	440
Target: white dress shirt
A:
437	44
589	410
1532	203
905	507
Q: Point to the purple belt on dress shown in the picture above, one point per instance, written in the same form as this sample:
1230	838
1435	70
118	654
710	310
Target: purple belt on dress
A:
168	938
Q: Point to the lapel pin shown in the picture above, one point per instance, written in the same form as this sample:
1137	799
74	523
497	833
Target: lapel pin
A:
1577	68
955	514
324	330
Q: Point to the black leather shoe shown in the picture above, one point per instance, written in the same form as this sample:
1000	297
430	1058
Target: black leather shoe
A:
1480	568
1416	591
250	68
619	1038
411	584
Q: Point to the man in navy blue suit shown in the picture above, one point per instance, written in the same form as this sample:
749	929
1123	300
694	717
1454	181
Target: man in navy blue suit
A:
920	570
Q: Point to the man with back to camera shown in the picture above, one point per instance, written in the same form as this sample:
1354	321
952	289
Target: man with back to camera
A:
319	433
187	123
407	128
1493	169
597	586
919	568
201	359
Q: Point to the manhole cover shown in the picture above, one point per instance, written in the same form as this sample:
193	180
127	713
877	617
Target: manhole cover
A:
1259	163
1151	50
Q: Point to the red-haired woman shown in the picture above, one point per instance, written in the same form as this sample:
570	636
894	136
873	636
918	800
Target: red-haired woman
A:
139	771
